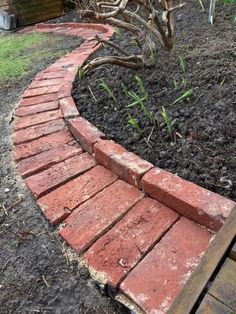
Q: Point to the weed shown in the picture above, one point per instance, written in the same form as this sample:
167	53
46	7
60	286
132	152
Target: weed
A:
185	95
80	74
133	122
107	89
167	120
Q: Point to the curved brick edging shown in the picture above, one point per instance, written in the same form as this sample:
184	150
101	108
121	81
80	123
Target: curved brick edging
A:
124	235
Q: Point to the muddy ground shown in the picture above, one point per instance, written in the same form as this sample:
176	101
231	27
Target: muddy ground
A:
201	144
36	275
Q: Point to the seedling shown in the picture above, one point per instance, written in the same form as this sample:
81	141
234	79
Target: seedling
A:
118	31
133	122
185	95
124	89
175	83
107	89
167	120
80	74
222	82
140	85
138	101
182	64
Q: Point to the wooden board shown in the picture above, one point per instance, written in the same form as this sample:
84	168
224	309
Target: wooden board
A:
34	11
223	287
188	297
210	305
232	253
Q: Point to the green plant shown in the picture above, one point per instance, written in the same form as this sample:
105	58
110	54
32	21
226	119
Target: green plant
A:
167	120
228	2
107	89
133	122
175	83
140	85
182	64
80	74
119	31
140	102
185	95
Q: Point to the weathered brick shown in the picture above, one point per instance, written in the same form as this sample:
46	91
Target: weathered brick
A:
45	83
59	174
24	122
42	144
118	251
203	206
157	280
85	132
29	110
58	204
41	91
42	161
36	131
68	108
51	75
38	100
65	90
126	165
93	218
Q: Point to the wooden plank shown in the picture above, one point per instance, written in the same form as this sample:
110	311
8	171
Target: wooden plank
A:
223	287
192	290
210	305
232	253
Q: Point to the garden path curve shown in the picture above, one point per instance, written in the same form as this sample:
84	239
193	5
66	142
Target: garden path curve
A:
140	230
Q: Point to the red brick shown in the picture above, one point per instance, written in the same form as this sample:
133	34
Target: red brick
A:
65	90
119	250
68	108
51	75
42	161
38	100
93	218
36	131
157	280
29	110
126	165
45	83
42	144
58	204
66	66
188	199
22	123
41	91
85	132
59	174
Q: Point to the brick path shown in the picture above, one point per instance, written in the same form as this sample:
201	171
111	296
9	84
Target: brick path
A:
140	230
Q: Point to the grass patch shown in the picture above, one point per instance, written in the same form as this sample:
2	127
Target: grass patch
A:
24	54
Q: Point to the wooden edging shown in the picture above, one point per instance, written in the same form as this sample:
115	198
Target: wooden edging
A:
193	289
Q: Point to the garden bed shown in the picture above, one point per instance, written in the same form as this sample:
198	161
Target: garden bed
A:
200	144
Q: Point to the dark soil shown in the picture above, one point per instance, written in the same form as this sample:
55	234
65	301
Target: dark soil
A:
36	273
201	147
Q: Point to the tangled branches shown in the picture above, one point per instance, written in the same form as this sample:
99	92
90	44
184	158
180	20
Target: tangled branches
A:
150	21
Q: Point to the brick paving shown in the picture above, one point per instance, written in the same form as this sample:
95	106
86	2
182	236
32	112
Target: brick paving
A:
141	231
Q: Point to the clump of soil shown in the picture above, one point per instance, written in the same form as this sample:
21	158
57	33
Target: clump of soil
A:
201	147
